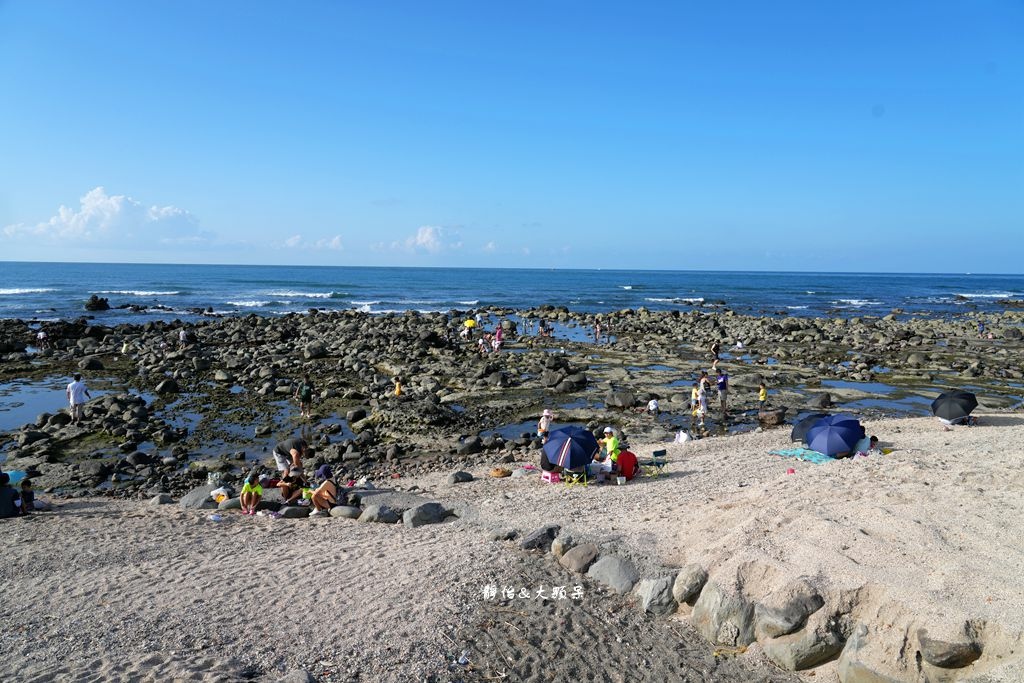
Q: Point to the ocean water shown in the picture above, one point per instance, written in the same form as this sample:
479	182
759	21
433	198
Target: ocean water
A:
50	291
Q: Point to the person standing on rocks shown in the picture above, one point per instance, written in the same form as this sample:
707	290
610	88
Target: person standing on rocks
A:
304	393
762	396
723	391
716	348
289	453
77	394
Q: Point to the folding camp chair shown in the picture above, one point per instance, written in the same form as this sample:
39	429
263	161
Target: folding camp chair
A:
655	465
576	478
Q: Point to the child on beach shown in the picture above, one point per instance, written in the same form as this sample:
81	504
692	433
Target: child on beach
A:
10	501
292	486
28	496
544	425
762	396
252	493
328	494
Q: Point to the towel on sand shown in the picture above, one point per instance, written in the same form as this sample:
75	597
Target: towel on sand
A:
805	454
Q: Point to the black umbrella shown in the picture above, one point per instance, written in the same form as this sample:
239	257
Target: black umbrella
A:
571	447
800	428
954	405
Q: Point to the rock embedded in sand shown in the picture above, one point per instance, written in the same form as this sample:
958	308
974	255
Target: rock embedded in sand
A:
614	572
379	513
562	544
723	618
161	499
199	498
540	539
786	610
346	511
459	477
816	643
294	512
656	595
425	513
947	655
688	584
580	558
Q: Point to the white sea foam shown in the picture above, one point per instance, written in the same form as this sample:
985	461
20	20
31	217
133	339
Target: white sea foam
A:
997	295
25	290
626	286
858	303
797	308
248	304
810	291
306	295
468	303
364	303
135	292
676	300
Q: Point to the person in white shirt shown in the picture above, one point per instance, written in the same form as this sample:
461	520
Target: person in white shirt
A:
653	408
77	393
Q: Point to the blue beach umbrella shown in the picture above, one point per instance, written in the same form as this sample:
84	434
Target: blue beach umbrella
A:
799	432
834	434
571	447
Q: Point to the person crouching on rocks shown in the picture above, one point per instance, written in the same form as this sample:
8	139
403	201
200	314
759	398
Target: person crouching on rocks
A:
292	486
289	453
328	494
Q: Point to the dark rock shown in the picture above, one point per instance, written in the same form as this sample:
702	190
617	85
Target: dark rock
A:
772	417
230	504
294	512
90	363
425	513
199	498
459	477
502	534
161	499
168	386
540	539
947	655
314	350
379	513
820	401
30	437
139	458
346	511
470	446
620	399
97	303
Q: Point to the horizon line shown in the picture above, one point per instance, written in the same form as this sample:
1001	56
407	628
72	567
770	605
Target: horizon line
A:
552	268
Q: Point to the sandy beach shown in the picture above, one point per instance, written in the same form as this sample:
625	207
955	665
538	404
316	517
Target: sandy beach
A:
917	540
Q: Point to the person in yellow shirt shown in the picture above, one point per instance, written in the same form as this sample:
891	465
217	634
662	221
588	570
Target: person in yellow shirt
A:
762	396
611	444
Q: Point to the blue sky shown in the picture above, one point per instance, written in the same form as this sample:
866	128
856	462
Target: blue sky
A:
770	136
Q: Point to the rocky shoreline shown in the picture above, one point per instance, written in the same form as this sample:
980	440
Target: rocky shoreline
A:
175	415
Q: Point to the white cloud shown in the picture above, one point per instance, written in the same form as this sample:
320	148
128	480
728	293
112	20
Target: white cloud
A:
432	239
330	243
117	221
490	247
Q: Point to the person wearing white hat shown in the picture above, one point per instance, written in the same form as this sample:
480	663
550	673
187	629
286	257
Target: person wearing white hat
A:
544	425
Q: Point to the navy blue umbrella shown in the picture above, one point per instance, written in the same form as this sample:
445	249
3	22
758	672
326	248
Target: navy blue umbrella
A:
834	434
954	406
800	428
571	447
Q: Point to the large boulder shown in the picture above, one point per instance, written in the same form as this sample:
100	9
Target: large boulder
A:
379	513
199	498
168	386
620	399
424	513
90	363
614	572
688	584
656	595
723	618
786	610
97	303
